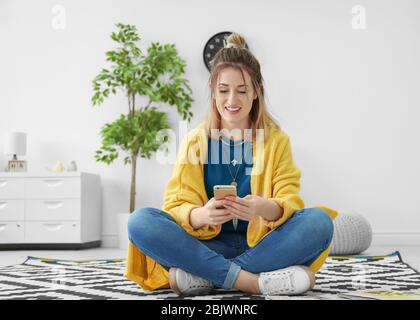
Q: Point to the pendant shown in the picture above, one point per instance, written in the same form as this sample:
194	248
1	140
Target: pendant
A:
233	183
235	223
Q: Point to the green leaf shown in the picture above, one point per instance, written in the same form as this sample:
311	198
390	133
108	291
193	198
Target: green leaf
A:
156	76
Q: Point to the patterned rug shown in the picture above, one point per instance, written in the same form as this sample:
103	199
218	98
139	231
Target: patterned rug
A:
40	278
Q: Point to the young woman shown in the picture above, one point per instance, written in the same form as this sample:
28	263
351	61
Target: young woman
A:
263	241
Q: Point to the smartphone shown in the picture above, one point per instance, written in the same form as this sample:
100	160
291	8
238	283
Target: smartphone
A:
220	191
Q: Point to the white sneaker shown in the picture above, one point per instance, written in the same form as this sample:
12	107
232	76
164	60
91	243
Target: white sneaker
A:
184	283
288	281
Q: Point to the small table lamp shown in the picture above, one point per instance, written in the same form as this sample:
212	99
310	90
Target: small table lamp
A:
15	144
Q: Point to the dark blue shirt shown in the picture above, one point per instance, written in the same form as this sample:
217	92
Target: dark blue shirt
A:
216	171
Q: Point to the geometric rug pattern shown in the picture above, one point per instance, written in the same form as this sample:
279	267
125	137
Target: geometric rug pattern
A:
39	278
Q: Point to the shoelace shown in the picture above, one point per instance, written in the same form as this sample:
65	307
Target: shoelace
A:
280	285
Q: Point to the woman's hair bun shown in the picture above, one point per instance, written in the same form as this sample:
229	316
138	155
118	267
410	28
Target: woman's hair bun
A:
235	40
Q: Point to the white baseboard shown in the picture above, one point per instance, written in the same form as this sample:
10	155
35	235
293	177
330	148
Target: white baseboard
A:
396	238
109	241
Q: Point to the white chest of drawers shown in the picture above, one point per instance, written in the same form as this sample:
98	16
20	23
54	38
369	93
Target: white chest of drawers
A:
54	210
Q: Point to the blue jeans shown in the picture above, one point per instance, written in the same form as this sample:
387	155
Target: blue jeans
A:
298	241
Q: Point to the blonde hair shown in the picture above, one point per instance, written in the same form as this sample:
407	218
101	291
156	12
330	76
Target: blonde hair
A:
236	55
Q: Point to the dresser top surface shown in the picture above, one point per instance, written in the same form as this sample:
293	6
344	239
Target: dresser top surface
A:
4	174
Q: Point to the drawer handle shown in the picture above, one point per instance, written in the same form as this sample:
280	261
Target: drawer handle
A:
3	204
3	183
53	182
2	227
54	204
53	226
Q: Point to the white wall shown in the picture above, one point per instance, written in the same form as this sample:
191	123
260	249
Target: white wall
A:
348	98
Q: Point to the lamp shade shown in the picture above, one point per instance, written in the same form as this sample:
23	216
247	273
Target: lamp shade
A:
15	143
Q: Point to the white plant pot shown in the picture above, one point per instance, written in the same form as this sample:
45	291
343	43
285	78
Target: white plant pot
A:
122	222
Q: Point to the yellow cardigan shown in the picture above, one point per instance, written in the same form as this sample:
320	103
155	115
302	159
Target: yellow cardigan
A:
274	176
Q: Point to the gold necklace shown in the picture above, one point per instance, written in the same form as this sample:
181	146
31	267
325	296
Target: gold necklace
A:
228	144
234	162
234	183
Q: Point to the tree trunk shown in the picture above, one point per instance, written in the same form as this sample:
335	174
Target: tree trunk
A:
133	183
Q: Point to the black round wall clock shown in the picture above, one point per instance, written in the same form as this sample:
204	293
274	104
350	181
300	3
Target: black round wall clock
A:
213	45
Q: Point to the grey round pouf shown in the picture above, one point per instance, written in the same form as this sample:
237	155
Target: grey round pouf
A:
352	234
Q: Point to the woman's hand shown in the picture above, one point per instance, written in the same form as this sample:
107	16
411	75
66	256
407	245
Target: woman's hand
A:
212	213
252	205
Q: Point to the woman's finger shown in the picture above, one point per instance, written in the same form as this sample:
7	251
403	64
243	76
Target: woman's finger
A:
219	212
218	203
242	201
239	214
238	206
221	221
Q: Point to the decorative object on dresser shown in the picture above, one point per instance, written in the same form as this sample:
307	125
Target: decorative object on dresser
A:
156	78
72	166
59	167
15	144
50	210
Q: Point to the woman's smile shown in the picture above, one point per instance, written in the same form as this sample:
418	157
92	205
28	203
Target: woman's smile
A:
233	110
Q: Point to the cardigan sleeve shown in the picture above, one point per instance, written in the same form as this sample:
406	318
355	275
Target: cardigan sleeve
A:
286	186
181	194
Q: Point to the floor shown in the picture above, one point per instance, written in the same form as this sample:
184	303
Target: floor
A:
409	254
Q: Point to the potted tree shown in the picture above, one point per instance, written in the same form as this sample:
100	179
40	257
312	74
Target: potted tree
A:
156	76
